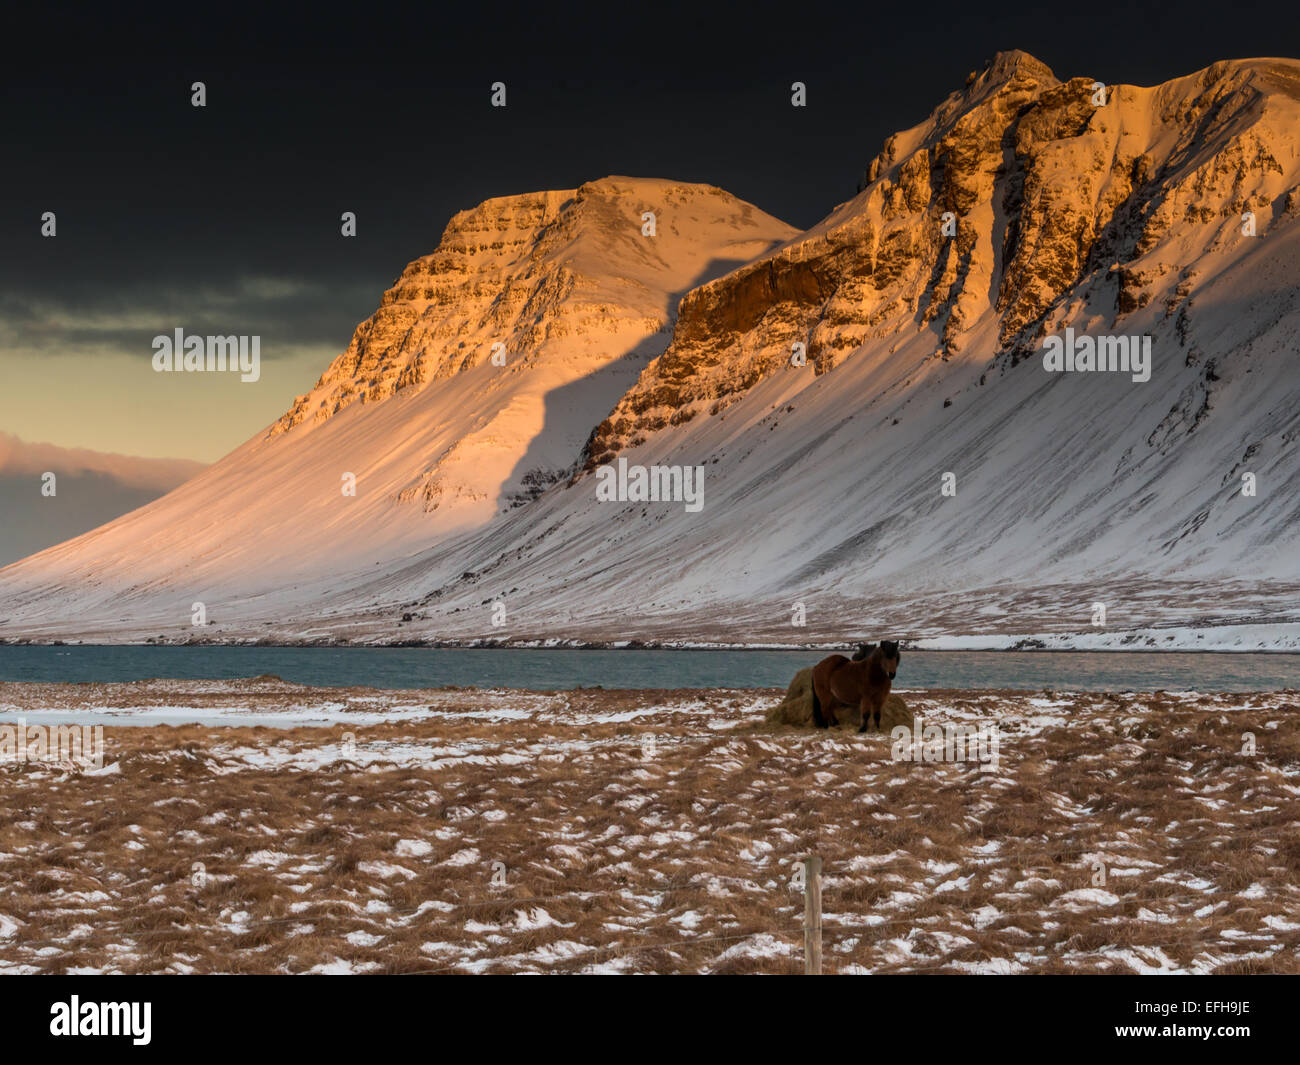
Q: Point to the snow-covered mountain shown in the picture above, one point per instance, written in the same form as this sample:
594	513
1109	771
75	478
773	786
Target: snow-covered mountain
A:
1022	208
473	386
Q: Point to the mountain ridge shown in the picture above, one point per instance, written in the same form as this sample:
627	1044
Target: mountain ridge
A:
922	359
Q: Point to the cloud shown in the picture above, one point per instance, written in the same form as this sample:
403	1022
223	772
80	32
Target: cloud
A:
289	314
92	488
18	456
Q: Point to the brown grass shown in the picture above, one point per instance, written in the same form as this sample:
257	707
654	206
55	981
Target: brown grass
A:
676	860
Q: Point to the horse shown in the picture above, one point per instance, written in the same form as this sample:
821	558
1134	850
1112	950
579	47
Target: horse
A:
863	681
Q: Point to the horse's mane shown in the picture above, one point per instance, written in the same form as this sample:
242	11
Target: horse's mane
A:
863	651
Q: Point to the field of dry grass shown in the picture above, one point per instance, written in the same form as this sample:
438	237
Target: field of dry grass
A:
603	831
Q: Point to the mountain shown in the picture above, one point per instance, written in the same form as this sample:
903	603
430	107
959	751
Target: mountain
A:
439	438
89	489
1025	208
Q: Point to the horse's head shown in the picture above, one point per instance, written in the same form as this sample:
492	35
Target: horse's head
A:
889	657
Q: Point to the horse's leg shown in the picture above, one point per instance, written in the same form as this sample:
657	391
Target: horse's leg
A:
867	706
825	703
818	720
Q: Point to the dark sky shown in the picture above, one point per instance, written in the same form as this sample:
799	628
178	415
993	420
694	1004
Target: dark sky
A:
172	214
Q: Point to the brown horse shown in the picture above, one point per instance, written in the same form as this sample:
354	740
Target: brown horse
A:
864	682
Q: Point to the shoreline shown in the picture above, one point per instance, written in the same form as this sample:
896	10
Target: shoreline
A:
271	702
636	645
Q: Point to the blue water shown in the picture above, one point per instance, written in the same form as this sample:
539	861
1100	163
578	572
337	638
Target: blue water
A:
557	670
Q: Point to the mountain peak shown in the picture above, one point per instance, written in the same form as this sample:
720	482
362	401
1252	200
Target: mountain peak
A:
1013	65
517	271
1015	61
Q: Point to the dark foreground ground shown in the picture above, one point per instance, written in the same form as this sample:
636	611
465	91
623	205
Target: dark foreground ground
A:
601	831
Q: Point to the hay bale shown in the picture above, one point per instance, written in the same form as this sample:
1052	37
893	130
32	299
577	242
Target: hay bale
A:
797	708
894	714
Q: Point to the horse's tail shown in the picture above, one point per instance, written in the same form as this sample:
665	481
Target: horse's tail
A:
818	720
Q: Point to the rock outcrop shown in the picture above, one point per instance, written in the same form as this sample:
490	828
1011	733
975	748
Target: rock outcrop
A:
1018	194
537	271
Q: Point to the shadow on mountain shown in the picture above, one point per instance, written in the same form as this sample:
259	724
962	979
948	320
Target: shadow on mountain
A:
572	403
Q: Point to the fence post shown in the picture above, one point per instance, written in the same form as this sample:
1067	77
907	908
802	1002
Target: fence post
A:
812	915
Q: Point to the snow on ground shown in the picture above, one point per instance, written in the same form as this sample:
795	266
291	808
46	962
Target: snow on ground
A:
652	831
1279	636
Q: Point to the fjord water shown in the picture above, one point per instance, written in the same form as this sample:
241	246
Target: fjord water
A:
562	669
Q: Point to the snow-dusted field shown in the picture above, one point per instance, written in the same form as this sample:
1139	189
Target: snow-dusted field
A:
604	831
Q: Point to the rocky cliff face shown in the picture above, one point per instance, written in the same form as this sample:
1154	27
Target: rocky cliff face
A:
527	271
570	296
429	323
1050	196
